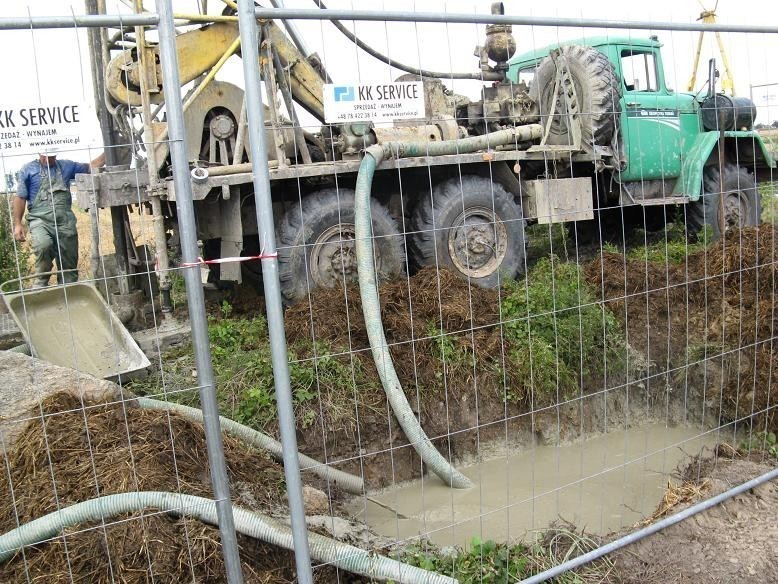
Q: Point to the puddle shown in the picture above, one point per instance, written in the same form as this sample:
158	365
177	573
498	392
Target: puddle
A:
603	484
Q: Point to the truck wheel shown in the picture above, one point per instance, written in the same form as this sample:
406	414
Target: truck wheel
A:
472	226
316	243
742	205
597	88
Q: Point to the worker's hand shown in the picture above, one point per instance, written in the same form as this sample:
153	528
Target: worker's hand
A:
19	233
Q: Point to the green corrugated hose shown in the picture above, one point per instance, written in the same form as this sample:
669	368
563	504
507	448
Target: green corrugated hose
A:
368	287
323	549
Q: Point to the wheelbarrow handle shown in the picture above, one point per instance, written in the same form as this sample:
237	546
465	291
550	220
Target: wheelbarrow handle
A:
31	276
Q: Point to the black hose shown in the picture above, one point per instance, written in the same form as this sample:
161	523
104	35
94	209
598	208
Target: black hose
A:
482	76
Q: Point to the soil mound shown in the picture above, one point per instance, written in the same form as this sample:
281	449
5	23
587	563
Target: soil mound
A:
446	344
409	308
715	312
72	454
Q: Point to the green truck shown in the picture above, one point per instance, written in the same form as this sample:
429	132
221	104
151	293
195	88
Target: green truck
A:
594	136
664	144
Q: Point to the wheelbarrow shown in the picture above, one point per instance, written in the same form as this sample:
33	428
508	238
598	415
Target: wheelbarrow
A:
71	325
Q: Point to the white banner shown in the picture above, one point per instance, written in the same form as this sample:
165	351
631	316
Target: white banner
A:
373	102
33	127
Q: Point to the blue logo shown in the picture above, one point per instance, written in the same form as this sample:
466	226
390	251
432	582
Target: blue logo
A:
344	93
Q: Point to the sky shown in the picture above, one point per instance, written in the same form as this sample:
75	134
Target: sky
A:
49	65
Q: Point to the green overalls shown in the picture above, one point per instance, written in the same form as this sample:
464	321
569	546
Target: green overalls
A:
53	227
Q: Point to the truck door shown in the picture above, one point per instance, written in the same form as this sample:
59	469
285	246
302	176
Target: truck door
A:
651	124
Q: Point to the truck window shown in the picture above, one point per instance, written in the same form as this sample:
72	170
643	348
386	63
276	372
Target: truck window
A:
526	75
639	71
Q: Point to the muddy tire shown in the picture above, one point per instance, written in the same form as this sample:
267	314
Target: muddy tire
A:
316	243
598	90
742	204
471	226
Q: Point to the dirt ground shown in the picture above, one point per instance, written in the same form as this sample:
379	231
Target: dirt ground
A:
731	542
77	455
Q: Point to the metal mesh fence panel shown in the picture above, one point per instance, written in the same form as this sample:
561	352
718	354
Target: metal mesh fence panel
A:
474	317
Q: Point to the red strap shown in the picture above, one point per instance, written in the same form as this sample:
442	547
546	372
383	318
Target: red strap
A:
200	261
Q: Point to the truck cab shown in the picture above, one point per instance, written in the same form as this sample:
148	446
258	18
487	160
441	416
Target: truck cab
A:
667	148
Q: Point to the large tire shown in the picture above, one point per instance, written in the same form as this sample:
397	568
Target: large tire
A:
316	243
742	204
472	226
598	90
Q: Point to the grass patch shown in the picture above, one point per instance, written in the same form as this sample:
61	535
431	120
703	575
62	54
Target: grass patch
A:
321	382
557	330
769	193
550	239
669	246
14	256
762	441
489	562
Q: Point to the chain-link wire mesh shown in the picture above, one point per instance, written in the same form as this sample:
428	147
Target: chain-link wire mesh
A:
478	315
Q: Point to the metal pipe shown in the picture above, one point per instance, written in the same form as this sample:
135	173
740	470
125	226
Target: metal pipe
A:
108	133
651	529
452	17
249	34
268	74
206	18
38	22
299	136
158	219
85	21
194	292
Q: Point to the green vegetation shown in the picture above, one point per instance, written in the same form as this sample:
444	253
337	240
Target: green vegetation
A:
557	330
552	238
557	337
672	246
762	441
488	562
14	257
769	193
243	373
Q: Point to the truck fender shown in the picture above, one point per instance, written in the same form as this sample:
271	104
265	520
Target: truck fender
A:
744	146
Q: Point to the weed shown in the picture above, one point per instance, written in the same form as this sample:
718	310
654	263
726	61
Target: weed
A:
769	194
485	562
765	441
444	344
14	257
673	245
243	372
557	331
544	240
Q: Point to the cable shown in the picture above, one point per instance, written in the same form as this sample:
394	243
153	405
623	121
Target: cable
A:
482	76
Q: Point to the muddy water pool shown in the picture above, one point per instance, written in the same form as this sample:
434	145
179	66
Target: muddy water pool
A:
601	484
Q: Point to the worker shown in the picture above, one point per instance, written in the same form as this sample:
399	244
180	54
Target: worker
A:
44	190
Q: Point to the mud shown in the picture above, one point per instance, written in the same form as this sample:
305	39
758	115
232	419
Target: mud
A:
731	542
600	485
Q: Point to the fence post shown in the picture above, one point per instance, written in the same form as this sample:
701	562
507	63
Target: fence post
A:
194	291
273	307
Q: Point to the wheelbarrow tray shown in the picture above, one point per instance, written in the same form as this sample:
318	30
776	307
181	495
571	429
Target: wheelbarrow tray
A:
71	325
